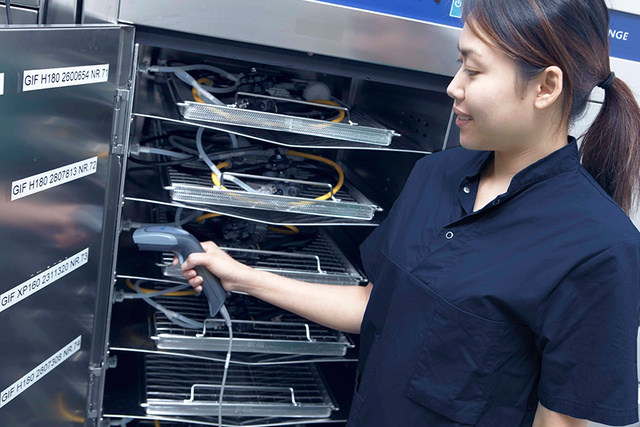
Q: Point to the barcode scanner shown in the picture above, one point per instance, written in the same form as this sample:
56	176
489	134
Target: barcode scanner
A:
164	238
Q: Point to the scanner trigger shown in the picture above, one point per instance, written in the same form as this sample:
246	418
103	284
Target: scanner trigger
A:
180	258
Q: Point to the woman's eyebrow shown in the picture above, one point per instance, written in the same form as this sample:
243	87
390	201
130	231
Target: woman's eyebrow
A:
467	52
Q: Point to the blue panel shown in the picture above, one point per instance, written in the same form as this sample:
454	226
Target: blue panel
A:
456	9
624	36
446	12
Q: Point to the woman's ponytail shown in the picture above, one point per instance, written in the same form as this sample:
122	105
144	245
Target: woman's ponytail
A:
611	146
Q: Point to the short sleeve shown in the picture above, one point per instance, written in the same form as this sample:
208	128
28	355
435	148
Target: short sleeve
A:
587	337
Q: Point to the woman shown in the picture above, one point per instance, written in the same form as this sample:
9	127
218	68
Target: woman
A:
506	276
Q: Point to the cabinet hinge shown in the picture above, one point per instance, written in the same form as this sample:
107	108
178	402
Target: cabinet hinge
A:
96	382
120	120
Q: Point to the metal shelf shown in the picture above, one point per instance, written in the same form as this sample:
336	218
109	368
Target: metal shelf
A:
153	101
355	127
370	132
258	328
317	259
153	192
277	331
124	398
192	387
199	189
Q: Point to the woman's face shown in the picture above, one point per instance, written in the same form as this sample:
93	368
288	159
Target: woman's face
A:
494	111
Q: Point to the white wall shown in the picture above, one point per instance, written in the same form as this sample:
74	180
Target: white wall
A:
629	6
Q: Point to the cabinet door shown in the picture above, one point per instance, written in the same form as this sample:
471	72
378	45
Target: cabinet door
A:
63	93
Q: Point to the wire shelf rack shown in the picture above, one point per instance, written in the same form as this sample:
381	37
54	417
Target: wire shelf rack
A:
192	387
319	261
199	189
257	327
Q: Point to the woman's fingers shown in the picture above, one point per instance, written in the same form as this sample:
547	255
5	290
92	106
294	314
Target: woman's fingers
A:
209	246
197	258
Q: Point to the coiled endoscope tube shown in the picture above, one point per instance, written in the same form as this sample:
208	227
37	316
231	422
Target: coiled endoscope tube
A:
214	169
176	318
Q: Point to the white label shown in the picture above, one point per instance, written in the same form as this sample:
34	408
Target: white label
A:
40	371
44	181
1	83
68	76
44	279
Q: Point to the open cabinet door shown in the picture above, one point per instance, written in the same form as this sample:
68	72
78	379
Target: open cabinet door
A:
63	118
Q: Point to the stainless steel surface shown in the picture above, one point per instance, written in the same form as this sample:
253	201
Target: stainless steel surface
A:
44	130
60	11
191	387
28	3
99	11
20	15
122	110
307	26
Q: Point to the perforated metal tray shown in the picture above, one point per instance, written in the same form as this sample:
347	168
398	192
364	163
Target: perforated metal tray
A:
199	189
367	131
191	387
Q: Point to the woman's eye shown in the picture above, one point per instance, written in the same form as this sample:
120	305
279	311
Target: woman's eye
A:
469	72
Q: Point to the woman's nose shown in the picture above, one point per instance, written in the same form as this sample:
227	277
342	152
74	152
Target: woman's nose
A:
455	90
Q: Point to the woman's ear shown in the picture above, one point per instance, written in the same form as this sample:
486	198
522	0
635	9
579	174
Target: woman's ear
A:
548	86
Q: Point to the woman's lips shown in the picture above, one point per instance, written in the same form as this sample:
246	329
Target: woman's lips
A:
462	120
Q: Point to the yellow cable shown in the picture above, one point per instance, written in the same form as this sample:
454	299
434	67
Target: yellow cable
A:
337	187
291	229
207	216
323	160
148	291
194	92
214	177
327	102
156	423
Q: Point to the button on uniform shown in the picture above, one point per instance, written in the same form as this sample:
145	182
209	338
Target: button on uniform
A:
449	235
466	190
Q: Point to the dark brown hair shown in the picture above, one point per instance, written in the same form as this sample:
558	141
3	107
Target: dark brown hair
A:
572	35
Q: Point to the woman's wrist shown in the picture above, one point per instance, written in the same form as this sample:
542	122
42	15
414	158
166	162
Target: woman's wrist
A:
247	280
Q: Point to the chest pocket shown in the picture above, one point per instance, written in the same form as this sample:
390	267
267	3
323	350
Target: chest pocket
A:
456	366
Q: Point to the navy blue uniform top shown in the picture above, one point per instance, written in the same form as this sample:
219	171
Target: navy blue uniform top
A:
474	317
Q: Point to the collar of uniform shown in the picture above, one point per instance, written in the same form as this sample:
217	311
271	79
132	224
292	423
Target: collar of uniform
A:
562	160
559	161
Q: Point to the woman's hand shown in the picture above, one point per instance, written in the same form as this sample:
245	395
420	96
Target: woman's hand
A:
232	274
334	306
